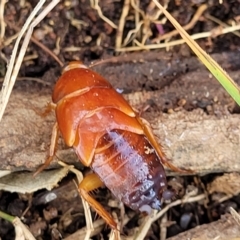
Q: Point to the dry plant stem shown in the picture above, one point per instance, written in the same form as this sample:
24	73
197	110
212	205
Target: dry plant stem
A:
178	202
137	13
190	25
88	216
34	40
131	33
224	79
208	16
222	229
9	81
142	27
178	42
98	225
122	21
48	51
2	23
150	18
12	74
9	40
86	207
114	235
21	229
144	228
94	5
163	228
135	32
235	215
159	12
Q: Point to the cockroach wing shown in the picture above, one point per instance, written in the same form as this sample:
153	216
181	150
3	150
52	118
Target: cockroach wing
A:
71	111
89	132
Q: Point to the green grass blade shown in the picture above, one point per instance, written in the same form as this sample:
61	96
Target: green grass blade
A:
230	86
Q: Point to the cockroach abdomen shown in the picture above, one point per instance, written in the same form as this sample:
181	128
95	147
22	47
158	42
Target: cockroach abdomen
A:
135	176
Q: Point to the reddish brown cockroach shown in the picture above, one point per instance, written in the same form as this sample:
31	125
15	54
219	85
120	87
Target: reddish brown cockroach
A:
110	137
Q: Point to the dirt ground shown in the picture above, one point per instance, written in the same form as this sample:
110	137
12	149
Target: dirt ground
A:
169	80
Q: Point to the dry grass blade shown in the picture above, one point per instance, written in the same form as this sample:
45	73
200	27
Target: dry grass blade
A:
8	81
11	74
2	23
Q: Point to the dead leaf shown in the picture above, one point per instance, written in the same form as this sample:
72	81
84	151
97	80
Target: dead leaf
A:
24	182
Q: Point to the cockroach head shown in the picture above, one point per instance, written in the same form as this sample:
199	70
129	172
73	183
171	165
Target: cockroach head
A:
74	64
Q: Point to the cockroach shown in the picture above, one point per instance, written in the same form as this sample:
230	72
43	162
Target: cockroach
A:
110	137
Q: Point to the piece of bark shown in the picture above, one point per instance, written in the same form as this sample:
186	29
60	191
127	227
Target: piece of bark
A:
227	184
191	139
225	228
205	143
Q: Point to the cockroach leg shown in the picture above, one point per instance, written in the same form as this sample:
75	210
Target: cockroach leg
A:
143	109
157	146
52	150
88	184
48	108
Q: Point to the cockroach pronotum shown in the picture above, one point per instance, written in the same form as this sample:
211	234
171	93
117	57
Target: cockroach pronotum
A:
109	137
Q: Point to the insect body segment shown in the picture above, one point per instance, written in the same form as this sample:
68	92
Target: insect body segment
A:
133	174
109	137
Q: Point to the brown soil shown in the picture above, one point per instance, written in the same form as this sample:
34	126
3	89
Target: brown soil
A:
165	81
